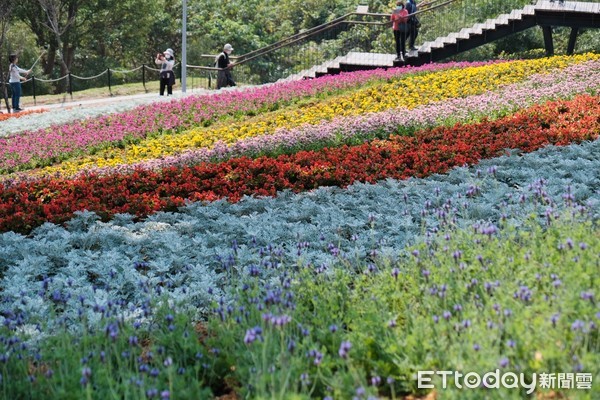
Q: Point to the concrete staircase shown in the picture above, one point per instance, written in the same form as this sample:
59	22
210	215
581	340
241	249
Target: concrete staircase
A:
544	13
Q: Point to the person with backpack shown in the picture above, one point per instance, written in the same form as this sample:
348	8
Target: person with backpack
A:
224	77
413	24
166	61
399	20
14	80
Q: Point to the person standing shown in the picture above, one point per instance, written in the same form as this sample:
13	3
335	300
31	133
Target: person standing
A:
399	20
14	80
413	24
224	77
166	61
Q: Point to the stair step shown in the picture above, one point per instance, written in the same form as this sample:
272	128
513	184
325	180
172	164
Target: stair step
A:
460	35
438	44
450	39
502	19
425	47
475	31
484	26
515	15
529	10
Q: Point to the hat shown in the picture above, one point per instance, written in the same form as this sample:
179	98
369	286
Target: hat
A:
227	47
169	52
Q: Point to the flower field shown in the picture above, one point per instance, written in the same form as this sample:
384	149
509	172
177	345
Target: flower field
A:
318	239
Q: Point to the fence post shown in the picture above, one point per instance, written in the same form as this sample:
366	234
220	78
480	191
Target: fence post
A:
70	85
109	88
209	76
144	77
33	88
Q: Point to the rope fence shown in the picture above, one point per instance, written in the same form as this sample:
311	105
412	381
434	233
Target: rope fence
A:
110	79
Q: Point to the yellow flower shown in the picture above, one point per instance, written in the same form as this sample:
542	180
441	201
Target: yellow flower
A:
409	91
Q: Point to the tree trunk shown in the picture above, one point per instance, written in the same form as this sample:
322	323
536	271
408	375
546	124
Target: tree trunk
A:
4	90
5	14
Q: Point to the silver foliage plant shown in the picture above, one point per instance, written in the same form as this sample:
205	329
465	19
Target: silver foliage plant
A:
195	256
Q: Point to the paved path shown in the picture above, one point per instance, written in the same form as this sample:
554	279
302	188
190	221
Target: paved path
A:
137	98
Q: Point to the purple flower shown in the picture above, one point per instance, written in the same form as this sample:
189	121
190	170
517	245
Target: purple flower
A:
86	371
291	345
554	319
333	328
457	255
251	336
375	380
504	362
578	325
165	395
133	341
588	295
344	349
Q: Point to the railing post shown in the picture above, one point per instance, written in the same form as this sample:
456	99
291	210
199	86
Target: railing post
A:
33	88
70	85
572	40
548	44
144	77
109	87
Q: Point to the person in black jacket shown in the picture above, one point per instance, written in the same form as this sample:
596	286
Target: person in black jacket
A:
413	24
224	77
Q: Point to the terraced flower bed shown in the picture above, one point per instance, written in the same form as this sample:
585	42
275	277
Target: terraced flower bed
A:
321	239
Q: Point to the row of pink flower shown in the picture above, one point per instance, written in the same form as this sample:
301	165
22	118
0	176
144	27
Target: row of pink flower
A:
57	142
538	88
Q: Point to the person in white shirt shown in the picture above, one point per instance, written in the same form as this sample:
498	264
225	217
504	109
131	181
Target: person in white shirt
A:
14	79
166	61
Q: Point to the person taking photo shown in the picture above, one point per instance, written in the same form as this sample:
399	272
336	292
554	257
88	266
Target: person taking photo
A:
14	80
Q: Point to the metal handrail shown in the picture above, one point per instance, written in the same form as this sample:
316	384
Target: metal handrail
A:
429	6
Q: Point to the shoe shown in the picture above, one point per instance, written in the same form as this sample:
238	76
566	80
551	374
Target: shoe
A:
17	109
413	48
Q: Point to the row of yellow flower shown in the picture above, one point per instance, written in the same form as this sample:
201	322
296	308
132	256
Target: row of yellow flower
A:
409	92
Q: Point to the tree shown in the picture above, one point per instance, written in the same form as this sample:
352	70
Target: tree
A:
5	16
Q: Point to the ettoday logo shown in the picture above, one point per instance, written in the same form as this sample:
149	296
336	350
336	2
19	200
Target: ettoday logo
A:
508	380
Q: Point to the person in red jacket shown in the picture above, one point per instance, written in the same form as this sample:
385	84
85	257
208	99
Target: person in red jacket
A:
399	20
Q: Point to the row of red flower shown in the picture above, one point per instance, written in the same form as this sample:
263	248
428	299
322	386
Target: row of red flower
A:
26	205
